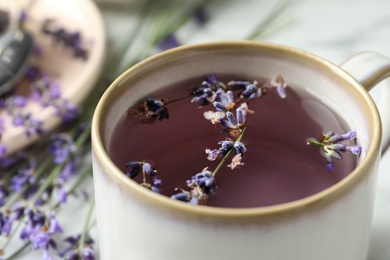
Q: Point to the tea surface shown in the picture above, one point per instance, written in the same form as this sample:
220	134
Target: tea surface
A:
279	166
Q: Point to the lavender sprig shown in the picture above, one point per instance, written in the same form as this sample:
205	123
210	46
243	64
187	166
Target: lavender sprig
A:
330	146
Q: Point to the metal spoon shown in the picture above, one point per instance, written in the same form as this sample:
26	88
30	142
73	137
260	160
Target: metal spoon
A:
15	51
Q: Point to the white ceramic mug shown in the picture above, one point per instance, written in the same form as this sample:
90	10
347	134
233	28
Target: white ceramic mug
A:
135	223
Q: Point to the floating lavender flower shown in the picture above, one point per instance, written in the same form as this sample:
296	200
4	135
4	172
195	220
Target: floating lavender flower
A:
137	167
203	94
209	91
252	89
234	124
225	147
202	184
147	112
224	100
203	180
330	146
280	85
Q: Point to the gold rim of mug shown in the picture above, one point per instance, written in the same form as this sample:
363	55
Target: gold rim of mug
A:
320	199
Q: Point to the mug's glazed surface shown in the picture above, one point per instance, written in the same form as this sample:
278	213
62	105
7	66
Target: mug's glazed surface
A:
135	223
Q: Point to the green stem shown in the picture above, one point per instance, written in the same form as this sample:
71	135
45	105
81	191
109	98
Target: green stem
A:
227	154
79	181
49	180
85	229
269	19
9	238
21	249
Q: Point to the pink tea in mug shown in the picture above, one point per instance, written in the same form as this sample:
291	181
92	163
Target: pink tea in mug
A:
193	127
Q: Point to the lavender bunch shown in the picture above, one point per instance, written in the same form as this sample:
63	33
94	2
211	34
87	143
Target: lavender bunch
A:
32	193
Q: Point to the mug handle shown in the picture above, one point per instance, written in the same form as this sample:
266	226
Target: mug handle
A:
369	68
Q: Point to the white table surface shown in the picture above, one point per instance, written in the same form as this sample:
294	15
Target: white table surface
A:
332	29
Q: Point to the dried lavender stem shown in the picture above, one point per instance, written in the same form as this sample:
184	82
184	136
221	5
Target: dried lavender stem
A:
227	154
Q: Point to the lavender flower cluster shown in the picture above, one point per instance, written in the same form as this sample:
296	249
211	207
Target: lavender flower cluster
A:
229	112
70	40
29	190
331	147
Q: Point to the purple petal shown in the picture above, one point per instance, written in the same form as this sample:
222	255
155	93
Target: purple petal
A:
240	113
354	149
212	155
281	91
230	97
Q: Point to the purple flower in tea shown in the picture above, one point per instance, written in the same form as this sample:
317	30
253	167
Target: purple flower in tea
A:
147	170
202	184
251	89
225	147
203	94
150	110
330	146
209	91
204	180
280	85
224	101
234	124
134	168
156	107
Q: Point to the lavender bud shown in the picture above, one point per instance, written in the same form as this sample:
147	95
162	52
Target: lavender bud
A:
147	169
240	148
354	149
181	197
134	169
231	119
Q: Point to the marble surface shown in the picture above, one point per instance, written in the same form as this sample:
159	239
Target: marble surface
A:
332	29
